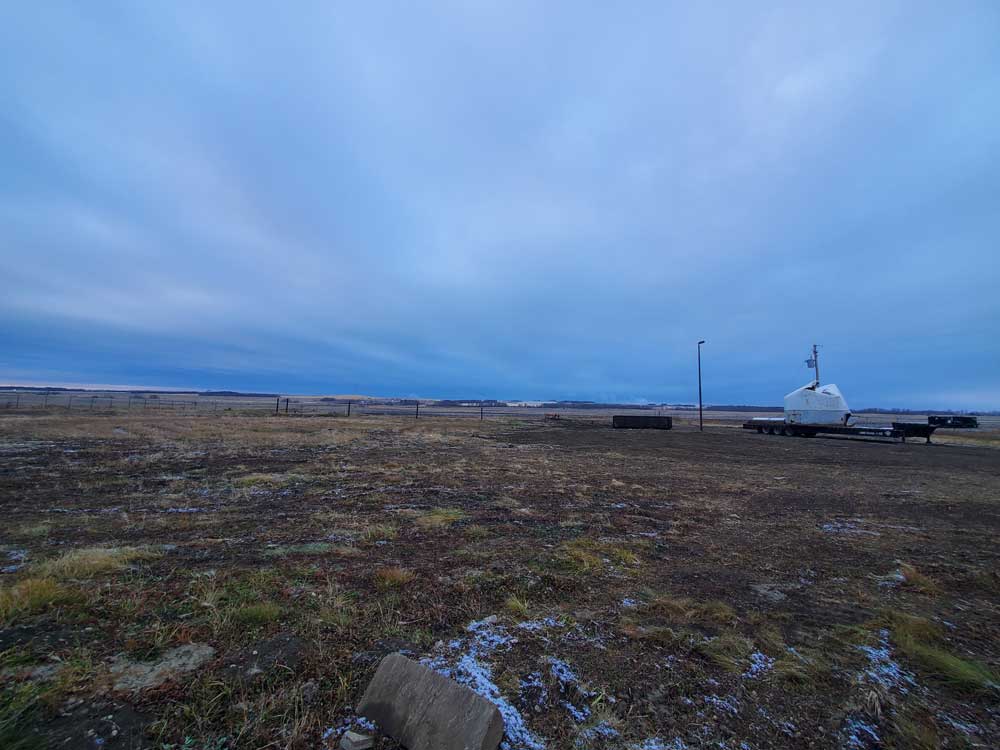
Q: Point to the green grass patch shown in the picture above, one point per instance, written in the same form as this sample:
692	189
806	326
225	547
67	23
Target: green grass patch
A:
19	709
922	641
257	614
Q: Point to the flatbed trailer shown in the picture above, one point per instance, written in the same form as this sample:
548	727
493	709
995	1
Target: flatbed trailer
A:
895	431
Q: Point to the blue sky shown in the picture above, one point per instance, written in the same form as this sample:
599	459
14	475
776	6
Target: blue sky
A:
487	199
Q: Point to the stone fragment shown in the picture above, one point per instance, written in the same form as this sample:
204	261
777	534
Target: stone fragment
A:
355	741
424	710
133	676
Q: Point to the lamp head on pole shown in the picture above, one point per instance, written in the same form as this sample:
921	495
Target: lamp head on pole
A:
701	342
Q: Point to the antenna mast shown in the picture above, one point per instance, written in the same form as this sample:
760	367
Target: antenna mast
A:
815	359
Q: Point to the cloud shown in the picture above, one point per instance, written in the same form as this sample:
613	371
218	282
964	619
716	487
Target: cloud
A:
485	199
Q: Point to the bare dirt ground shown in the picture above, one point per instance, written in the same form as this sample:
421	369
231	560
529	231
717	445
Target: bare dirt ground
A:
201	582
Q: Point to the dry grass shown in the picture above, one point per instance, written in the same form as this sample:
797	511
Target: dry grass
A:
379	532
393	577
32	596
91	561
922	641
440	518
517	606
918	581
684	609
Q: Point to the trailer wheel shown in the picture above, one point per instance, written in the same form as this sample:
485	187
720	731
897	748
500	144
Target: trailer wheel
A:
770	430
760	430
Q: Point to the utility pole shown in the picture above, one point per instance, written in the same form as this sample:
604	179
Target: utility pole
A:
816	361
701	420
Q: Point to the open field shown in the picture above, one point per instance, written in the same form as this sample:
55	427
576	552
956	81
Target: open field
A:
221	581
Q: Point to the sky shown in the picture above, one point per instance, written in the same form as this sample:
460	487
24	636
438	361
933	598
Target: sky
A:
503	199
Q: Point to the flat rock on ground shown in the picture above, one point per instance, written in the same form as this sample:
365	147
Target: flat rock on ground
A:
134	676
424	710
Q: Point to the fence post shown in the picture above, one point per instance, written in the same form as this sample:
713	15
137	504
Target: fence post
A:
18	404
348	408
480	412
69	406
277	403
286	407
418	411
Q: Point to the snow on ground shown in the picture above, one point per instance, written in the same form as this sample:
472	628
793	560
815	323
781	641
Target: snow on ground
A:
470	667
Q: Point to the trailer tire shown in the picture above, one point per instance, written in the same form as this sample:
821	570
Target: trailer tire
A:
770	430
760	430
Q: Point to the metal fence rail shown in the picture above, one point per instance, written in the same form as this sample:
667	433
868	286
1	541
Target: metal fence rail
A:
152	404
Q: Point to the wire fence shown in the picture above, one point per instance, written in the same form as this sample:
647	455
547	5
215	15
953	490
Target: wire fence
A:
195	404
151	404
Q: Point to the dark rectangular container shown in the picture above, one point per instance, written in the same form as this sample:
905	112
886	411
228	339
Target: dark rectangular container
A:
642	422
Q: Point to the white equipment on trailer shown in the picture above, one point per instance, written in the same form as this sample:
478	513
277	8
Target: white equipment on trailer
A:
814	409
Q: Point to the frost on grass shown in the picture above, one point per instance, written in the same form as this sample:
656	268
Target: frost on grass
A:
356	723
860	734
569	684
895	578
729	704
882	670
760	664
847	527
536	625
17	558
472	669
600	731
655	743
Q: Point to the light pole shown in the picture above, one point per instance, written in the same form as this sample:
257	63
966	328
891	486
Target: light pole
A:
701	421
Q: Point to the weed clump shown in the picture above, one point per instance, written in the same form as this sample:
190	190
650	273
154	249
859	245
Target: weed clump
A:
379	532
516	606
257	614
914	579
33	596
440	518
922	641
393	577
91	561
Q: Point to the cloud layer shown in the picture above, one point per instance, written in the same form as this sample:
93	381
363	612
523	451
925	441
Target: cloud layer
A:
496	199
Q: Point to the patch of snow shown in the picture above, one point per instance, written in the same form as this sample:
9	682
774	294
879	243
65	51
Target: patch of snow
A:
655	743
185	510
961	726
602	730
894	578
728	704
534	625
579	715
563	673
846	527
17	559
860	734
760	664
629	603
486	636
882	669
